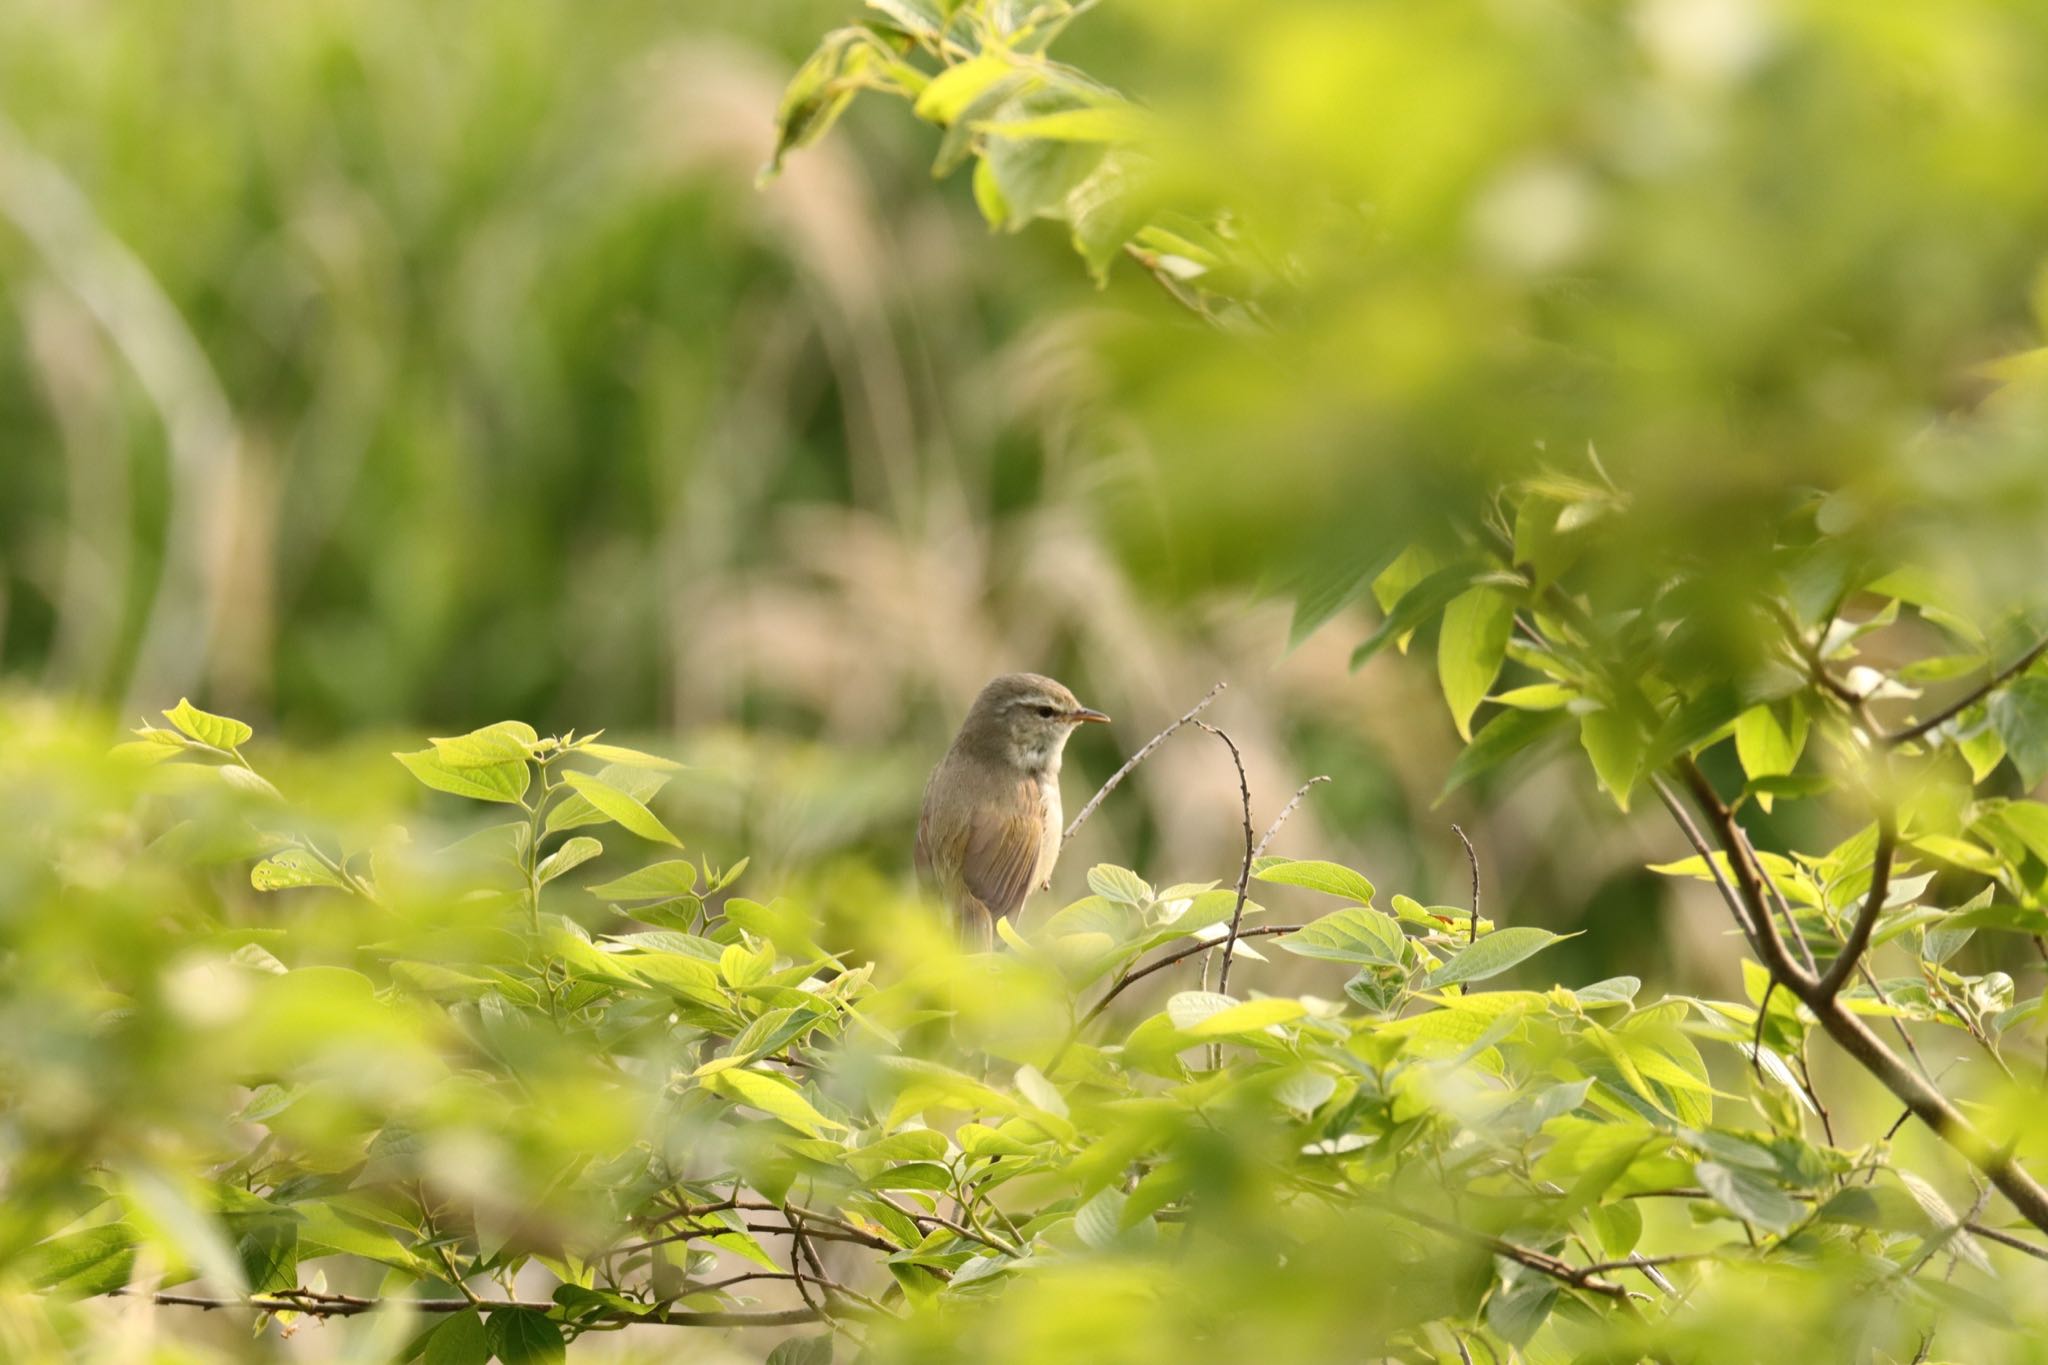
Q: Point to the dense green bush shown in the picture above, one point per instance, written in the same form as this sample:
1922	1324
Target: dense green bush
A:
508	1104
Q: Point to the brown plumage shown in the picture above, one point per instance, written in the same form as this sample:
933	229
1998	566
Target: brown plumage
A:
990	829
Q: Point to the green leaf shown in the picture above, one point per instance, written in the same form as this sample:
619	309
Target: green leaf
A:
988	197
1536	697
820	91
629	758
1416	606
742	966
1114	883
1769	739
1491	955
572	854
574	811
1357	934
620	806
460	1340
1100	1221
2020	715
1500	739
1519	1310
1189	1008
508	741
503	782
1035	175
1748	1195
1304	1092
656	881
918	18
953	90
1616	750
773	1096
207	728
1332	879
1089	123
1331	584
1618	1225
1469	650
81	1264
1252	1016
289	868
520	1336
815	1350
267	1244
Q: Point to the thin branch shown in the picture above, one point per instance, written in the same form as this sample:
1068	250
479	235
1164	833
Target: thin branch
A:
1578	1277
1921	729
1641	1262
1117	777
1244	873
344	1307
1285	811
992	1242
1472	859
1763	1010
1179	955
797	1247
1749	876
1858	941
1706	854
2006	1239
1784	908
1921	1098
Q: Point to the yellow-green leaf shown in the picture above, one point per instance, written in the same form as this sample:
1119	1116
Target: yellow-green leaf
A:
502	782
627	811
773	1096
219	731
1252	1016
1473	642
657	881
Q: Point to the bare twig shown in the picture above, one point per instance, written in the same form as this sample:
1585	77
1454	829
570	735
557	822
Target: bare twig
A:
1285	811
797	1247
1784	908
1579	1277
1921	729
1117	777
2006	1239
1178	955
1749	877
1472	859
1763	1010
989	1240
342	1306
1244	873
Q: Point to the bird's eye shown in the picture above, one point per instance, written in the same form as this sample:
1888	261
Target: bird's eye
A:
1047	711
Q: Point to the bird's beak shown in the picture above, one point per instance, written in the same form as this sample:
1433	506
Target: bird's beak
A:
1085	714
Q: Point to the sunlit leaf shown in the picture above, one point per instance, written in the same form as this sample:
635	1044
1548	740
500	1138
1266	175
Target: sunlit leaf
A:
219	731
620	806
1491	955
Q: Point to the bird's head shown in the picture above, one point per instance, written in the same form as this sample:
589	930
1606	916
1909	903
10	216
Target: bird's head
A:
1024	719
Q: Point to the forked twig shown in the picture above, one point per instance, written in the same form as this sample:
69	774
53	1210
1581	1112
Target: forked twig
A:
1244	873
1115	778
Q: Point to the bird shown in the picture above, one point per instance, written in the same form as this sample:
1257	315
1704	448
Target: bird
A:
990	827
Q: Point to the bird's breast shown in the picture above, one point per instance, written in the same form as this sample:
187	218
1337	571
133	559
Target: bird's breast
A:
1051	820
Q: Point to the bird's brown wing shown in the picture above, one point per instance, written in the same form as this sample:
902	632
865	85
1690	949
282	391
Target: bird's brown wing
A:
1003	840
